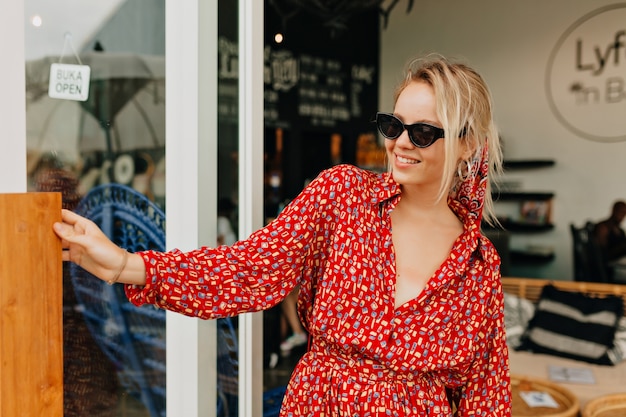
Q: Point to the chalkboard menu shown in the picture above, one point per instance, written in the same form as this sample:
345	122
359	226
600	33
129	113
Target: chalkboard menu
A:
316	91
316	79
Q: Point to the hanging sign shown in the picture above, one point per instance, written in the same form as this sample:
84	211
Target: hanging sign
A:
69	81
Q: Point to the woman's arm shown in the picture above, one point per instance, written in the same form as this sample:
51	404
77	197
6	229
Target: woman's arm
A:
255	273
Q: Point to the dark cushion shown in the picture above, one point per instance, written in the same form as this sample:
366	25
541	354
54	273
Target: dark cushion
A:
573	325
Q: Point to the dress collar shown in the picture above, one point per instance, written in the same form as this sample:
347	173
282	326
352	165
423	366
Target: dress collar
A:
466	204
385	188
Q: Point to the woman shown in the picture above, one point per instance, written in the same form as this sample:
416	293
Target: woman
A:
399	291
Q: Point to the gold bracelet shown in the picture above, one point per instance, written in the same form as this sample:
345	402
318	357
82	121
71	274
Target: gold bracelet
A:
119	271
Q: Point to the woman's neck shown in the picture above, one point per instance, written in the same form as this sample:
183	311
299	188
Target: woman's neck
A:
417	202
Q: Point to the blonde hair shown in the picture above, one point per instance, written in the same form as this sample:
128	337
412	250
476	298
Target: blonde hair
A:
464	108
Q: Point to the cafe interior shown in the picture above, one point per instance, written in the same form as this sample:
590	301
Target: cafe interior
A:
251	123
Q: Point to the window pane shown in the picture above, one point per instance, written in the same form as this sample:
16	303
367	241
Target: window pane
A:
96	133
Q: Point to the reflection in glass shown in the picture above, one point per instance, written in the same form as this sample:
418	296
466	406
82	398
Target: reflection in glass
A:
106	155
117	134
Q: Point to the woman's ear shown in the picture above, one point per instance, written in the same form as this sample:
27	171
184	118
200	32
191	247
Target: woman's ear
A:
468	149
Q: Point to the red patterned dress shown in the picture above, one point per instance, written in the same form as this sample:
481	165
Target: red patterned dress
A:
366	358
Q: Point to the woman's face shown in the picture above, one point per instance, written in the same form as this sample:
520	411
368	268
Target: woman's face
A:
412	165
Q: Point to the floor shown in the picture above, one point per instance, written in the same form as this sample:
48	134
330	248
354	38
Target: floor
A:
280	374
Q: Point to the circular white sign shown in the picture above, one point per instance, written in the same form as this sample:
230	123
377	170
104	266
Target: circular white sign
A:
586	75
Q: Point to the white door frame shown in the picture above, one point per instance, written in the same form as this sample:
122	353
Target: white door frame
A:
251	128
191	191
13	98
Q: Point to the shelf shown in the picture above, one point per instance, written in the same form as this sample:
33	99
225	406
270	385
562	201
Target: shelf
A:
530	256
533	216
519	195
527	163
514	226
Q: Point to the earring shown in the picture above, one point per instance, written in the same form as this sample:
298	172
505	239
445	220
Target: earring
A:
468	170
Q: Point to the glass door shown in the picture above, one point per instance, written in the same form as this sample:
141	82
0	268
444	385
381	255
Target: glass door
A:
95	127
106	136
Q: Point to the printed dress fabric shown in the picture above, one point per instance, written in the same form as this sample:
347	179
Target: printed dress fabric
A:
366	358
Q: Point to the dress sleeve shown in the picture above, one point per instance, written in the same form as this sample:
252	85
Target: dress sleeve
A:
251	275
487	391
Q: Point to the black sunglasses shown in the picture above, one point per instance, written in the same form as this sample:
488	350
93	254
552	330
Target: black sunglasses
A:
421	135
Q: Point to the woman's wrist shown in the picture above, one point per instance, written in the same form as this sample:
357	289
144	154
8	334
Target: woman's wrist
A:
117	275
135	272
132	270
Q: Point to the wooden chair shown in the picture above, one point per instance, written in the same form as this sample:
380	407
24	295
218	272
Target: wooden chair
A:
589	265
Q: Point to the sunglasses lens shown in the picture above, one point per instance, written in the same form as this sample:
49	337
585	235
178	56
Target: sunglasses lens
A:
389	126
423	135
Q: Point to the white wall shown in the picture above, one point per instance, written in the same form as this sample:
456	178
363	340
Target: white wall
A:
510	44
12	100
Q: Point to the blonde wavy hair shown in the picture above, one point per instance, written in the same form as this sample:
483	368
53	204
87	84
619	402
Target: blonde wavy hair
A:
464	108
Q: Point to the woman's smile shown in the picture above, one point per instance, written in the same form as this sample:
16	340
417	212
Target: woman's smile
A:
406	160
